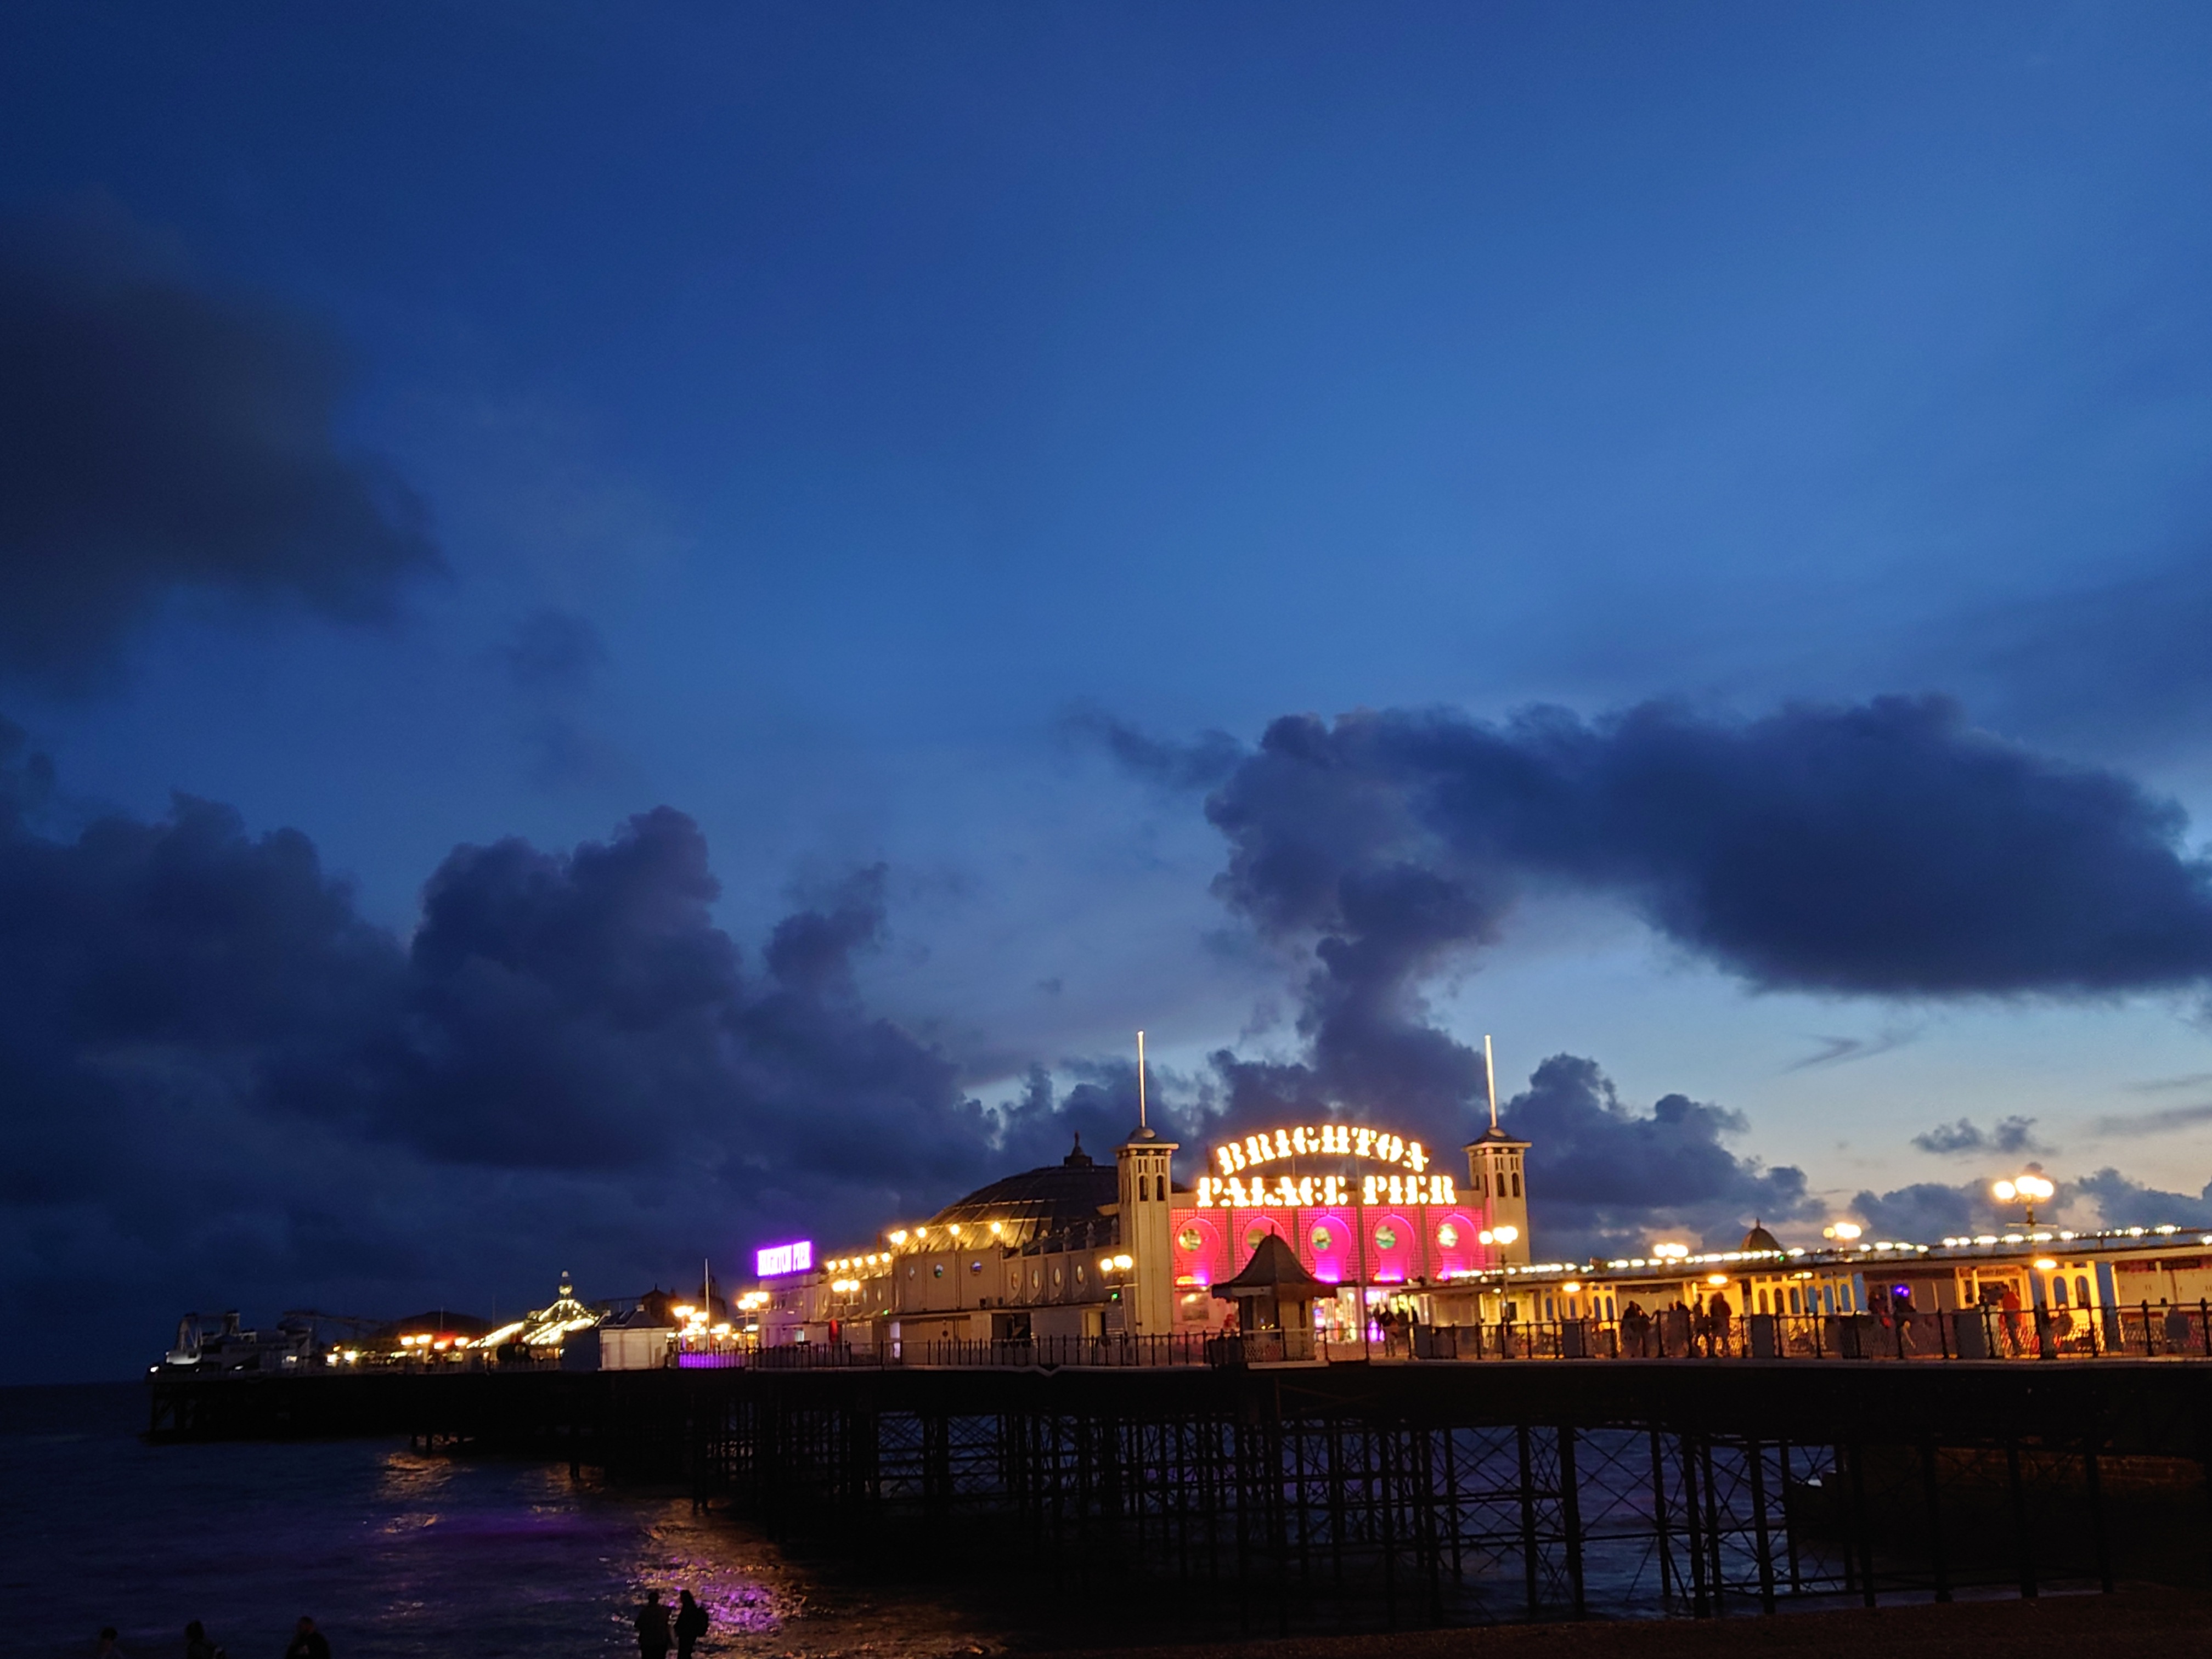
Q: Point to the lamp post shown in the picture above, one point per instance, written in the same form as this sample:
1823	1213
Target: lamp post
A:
2027	1190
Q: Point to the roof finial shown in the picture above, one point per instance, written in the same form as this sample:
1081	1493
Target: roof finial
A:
1490	1072
1141	1124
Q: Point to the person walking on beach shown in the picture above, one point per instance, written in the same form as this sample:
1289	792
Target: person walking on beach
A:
690	1625
653	1640
307	1642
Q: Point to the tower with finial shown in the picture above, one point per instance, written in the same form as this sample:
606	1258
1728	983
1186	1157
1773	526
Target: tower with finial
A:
1147	1221
1495	1172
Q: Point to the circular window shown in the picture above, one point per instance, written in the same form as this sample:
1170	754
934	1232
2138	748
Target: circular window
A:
1322	1238
1448	1235
1189	1238
1254	1234
1386	1238
937	1272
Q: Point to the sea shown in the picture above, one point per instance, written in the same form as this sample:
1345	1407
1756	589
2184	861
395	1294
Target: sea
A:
393	1553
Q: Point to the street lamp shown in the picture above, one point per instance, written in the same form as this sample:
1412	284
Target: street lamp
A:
2025	1189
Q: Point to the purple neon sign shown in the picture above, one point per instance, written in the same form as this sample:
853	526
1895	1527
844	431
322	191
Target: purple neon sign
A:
794	1258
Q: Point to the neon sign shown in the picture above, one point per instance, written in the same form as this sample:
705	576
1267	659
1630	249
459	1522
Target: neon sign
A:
1328	1140
1320	1192
784	1259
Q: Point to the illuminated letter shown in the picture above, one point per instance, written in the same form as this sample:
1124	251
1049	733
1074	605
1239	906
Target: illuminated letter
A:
1416	1159
1255	1149
1282	1144
1285	1195
1332	1189
1389	1149
1335	1138
1305	1192
1362	1142
1371	1188
1230	1162
1440	1190
1299	1142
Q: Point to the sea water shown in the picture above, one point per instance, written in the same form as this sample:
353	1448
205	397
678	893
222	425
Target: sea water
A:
393	1553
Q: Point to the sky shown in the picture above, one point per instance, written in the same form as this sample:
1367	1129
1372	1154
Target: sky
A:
625	633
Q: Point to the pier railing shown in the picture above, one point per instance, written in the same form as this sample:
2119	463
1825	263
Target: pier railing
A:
2144	1332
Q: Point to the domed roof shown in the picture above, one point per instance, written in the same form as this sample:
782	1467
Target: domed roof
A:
1044	1200
1759	1239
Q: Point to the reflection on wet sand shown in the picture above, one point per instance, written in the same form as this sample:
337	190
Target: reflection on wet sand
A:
762	1604
397	1554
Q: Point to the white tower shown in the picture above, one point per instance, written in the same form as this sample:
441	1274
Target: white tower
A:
1147	1221
1494	1170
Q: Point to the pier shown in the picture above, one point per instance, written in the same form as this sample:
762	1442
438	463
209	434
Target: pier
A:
1390	1494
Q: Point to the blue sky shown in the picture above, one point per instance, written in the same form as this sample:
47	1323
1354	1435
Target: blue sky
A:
813	408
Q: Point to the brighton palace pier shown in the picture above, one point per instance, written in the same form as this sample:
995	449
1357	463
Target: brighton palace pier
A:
1085	1377
1335	1240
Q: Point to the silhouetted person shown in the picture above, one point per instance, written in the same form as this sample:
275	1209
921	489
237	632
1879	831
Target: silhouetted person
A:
1722	1317
107	1649
197	1645
690	1625
652	1638
307	1642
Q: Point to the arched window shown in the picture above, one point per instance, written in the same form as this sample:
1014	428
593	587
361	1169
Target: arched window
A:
1516	1184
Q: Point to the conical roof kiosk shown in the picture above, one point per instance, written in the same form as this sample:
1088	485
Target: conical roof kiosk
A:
1274	1297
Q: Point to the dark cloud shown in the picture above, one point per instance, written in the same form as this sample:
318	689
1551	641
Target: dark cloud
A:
223	1083
553	661
1884	849
554	650
2007	1136
1604	1179
2123	1203
2128	1125
1842	1051
1197	765
156	438
1923	1212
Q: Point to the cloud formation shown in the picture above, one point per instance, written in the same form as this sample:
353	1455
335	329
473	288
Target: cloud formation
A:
1924	1211
2123	1203
2007	1136
224	1084
2127	1125
156	438
1199	765
1886	848
1603	1179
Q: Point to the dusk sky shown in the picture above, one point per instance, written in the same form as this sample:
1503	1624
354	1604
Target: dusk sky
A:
625	632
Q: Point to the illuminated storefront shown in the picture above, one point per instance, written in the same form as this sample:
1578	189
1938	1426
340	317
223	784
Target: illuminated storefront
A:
1082	1249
